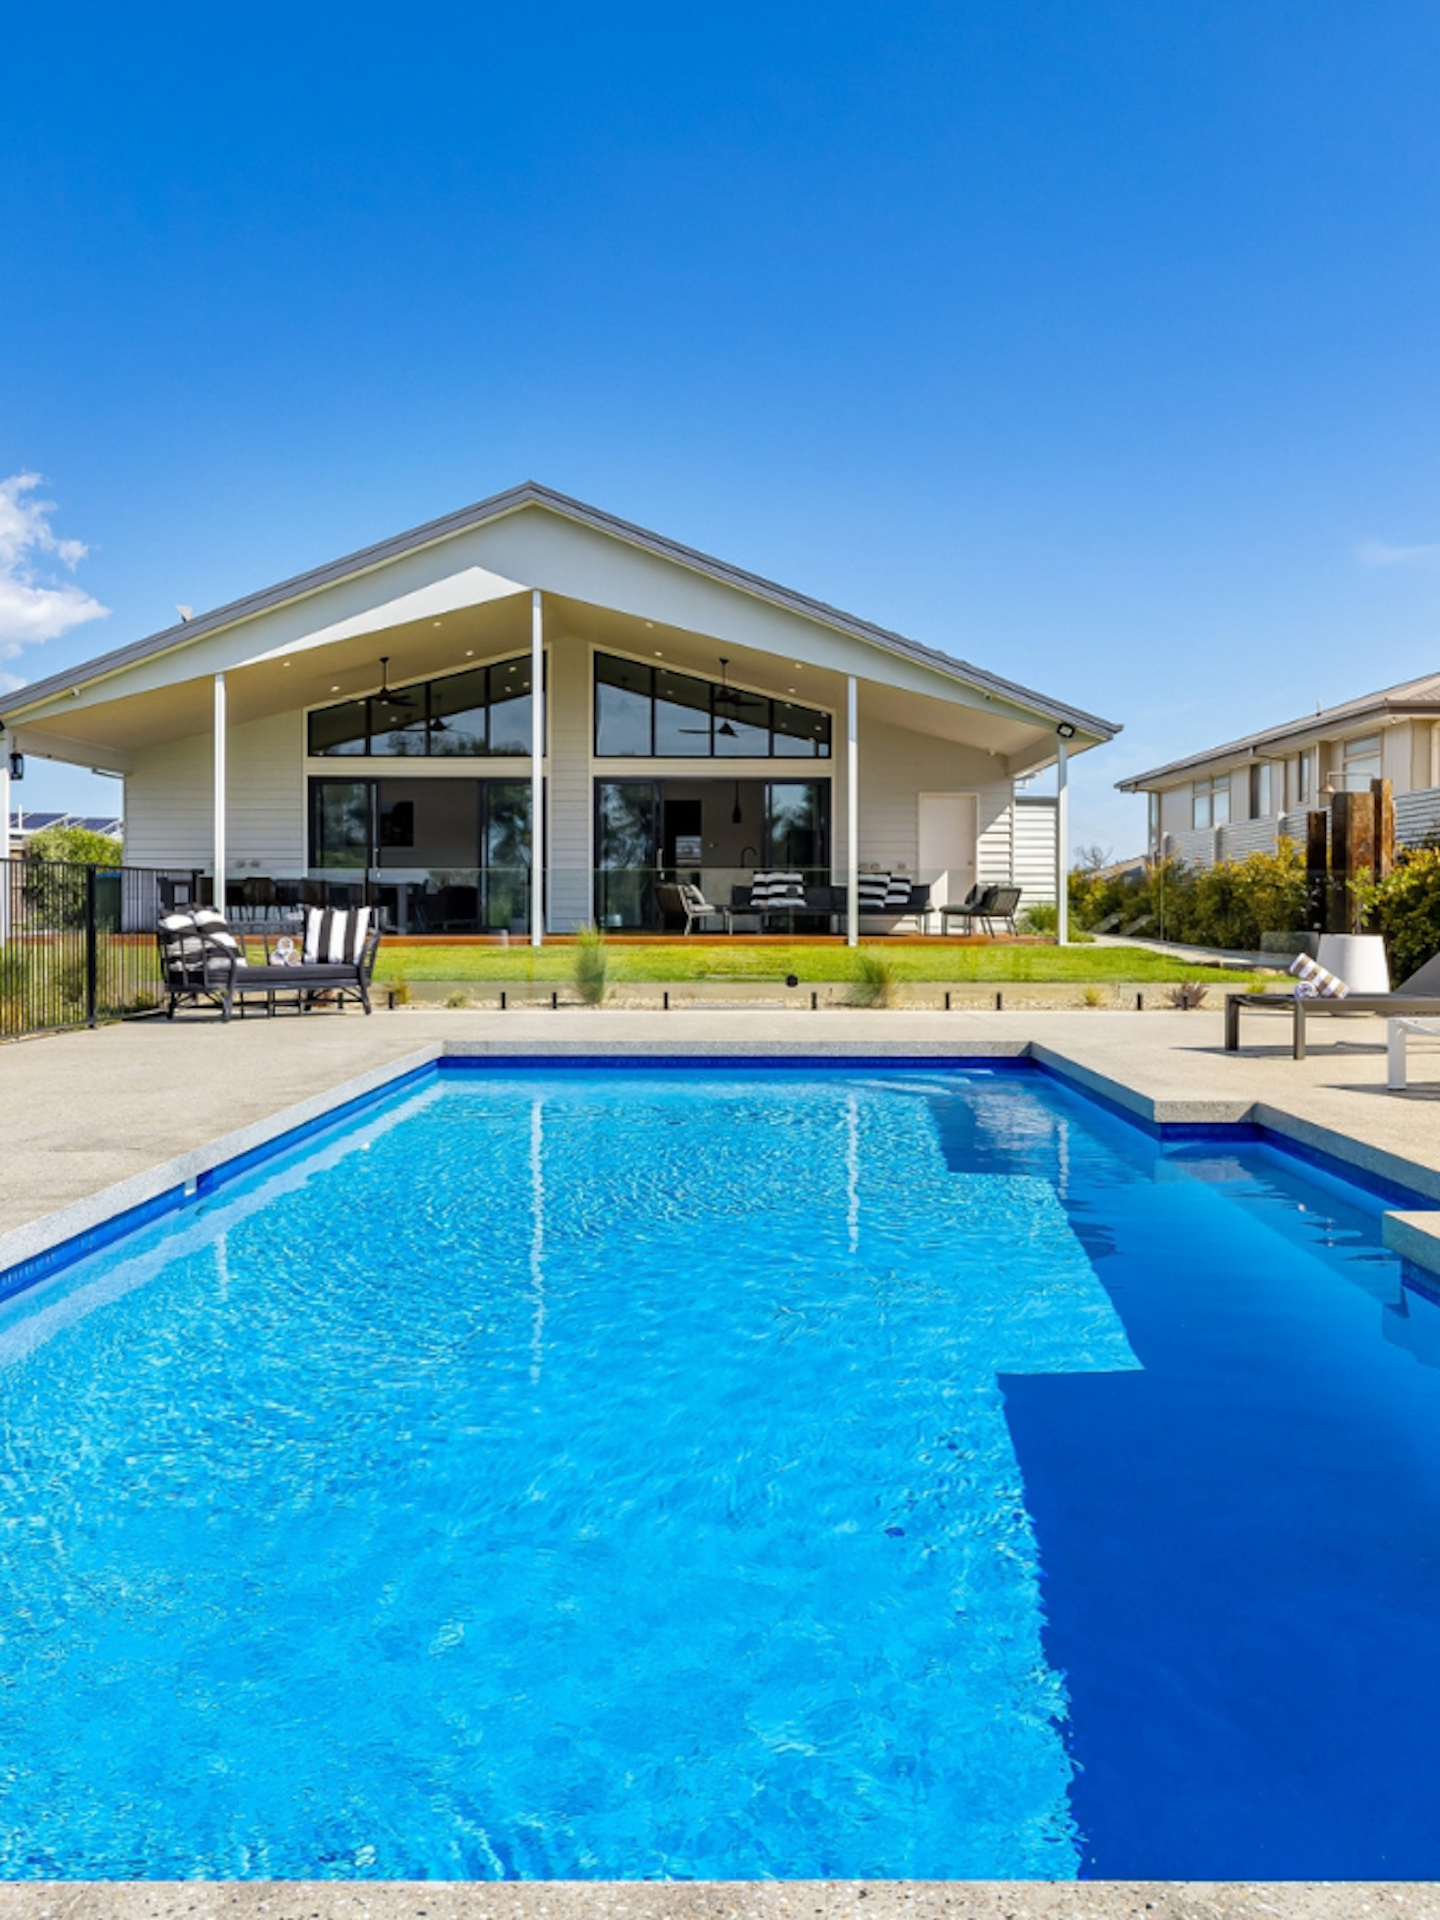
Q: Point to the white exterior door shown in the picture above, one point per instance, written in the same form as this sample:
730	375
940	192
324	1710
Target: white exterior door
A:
949	834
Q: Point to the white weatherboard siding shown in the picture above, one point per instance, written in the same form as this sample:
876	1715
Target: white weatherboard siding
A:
1034	868
168	800
896	767
168	797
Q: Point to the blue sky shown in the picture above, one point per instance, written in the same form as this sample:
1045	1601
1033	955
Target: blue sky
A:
1095	342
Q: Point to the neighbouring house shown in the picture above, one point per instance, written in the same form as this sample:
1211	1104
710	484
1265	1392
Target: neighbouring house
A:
393	726
1240	798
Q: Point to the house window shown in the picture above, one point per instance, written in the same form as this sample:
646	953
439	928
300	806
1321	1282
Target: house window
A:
1361	761
1152	821
1262	789
1305	778
645	712
482	712
1210	802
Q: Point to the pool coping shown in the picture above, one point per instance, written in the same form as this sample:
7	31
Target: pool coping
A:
42	1247
718	1900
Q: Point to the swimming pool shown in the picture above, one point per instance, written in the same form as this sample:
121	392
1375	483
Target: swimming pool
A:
810	1471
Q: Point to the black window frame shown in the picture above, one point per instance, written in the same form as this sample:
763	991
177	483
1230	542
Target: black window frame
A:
426	720
644	675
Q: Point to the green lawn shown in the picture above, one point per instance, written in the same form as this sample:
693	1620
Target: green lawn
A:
811	964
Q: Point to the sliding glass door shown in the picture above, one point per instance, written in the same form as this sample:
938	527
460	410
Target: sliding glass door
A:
712	833
437	855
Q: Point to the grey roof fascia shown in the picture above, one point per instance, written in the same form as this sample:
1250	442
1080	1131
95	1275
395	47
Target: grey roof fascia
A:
1247	747
531	493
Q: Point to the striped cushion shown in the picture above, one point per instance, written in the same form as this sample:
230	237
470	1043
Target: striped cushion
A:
216	930
778	890
335	936
1315	980
186	949
883	892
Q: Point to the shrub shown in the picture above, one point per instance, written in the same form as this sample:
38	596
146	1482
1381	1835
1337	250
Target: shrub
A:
1041	918
79	845
1189	993
876	982
1228	905
591	966
1405	908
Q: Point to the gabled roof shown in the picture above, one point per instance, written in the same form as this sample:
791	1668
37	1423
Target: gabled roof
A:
1421	697
531	494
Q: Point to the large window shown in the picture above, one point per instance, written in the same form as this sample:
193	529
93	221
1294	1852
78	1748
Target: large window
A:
1210	802
645	712
1262	790
1362	762
484	711
715	833
439	854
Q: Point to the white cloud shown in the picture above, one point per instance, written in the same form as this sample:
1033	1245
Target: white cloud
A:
1375	553
37	603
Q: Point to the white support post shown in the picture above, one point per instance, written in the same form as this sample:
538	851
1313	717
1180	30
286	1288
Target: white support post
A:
852	811
219	799
537	770
1062	841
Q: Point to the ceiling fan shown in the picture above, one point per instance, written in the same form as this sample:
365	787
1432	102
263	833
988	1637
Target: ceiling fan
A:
393	697
723	696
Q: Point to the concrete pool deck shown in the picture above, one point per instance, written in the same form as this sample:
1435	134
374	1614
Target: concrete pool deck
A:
81	1113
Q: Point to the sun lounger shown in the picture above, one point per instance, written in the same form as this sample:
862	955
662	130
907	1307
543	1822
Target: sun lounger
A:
1417	997
1397	1033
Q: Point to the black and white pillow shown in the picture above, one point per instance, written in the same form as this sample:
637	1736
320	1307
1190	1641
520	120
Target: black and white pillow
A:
221	945
335	936
779	891
887	893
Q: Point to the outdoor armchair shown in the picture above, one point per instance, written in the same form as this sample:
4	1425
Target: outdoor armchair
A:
682	899
970	909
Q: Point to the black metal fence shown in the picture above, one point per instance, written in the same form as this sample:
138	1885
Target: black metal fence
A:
77	944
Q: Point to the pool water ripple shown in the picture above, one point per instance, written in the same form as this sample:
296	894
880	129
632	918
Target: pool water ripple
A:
563	1474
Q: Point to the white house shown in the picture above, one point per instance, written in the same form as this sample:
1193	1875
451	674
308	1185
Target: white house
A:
398	722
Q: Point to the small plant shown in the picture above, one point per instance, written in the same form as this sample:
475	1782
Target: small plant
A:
876	982
457	999
1189	993
1093	997
590	970
1043	917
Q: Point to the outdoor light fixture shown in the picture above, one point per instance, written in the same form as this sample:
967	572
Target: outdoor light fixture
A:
1066	730
17	764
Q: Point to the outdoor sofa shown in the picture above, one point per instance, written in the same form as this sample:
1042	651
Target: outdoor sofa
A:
1419	995
203	959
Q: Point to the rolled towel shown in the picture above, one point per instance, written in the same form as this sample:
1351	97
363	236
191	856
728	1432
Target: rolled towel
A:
1315	981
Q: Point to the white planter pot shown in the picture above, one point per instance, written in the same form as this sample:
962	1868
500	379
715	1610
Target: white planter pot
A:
1358	959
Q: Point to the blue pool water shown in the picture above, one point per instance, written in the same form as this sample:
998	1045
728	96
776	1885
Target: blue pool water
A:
708	1473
